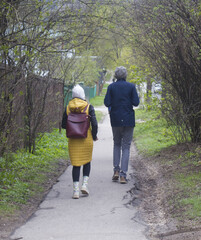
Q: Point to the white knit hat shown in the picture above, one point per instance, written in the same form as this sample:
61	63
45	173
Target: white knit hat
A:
78	92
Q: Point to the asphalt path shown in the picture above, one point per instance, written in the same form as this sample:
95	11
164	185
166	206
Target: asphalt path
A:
105	214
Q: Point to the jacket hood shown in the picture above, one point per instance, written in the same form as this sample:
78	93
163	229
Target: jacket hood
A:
77	105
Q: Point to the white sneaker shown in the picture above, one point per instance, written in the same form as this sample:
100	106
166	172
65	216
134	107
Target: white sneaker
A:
76	191
84	188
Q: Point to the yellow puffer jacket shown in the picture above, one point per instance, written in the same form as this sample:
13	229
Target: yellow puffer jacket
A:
80	150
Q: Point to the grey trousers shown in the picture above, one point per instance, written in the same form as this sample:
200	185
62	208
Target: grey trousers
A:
122	137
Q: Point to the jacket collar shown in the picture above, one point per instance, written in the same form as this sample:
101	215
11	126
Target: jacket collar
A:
121	79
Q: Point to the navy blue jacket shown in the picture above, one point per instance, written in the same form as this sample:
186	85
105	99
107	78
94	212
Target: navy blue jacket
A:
120	98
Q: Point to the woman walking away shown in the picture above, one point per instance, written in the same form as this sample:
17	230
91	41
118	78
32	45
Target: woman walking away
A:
80	149
120	98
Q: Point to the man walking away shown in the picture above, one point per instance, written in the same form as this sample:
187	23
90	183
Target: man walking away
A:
120	98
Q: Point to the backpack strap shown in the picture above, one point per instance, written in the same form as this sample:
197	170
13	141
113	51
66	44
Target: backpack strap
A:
85	109
67	110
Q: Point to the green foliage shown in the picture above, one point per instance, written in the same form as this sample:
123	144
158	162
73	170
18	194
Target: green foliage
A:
35	41
175	116
151	133
155	28
83	68
22	174
137	74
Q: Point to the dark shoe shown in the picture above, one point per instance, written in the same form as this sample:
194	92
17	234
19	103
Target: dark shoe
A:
115	177
123	180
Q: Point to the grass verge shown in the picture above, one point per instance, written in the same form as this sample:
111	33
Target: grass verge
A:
181	164
151	133
22	174
188	179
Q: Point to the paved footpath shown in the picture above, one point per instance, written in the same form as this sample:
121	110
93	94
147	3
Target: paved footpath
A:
105	214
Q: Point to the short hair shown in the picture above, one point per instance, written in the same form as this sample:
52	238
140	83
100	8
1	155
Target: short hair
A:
120	72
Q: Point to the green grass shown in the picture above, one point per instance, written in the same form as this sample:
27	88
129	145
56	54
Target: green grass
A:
190	191
97	101
151	133
22	174
194	206
190	181
191	158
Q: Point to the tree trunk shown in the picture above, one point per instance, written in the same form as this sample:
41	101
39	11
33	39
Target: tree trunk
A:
148	93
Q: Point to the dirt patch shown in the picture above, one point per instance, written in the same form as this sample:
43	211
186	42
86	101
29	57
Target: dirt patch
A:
9	223
155	187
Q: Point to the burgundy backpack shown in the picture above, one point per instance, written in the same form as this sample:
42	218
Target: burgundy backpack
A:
77	124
